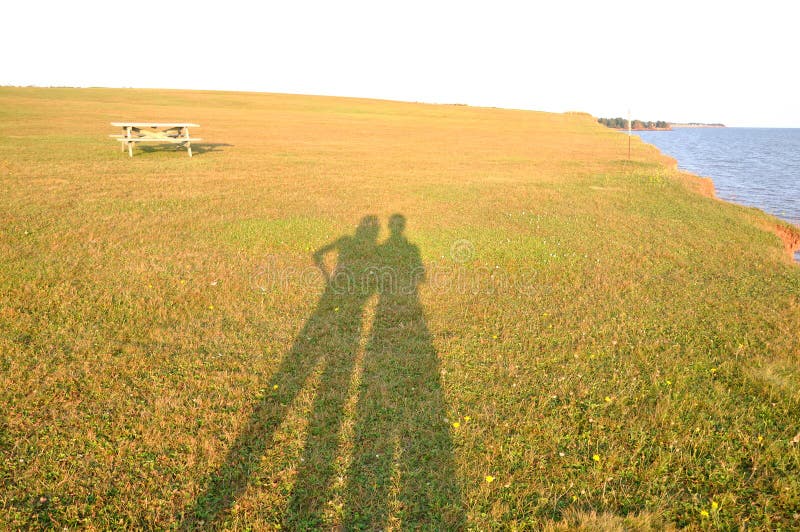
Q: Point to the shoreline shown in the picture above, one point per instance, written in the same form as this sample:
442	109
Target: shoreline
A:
788	232
624	129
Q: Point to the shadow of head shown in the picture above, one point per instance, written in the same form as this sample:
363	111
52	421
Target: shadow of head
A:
368	228
397	224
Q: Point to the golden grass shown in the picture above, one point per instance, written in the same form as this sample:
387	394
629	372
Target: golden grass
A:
170	357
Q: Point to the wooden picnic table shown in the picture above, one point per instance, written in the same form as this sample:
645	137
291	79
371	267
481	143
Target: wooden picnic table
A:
173	132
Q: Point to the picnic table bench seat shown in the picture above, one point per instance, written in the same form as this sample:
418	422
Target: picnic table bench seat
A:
176	140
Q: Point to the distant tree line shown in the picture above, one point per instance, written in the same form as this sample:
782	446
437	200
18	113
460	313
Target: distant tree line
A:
621	123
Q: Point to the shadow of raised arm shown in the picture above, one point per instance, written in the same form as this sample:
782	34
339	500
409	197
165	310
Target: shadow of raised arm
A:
319	258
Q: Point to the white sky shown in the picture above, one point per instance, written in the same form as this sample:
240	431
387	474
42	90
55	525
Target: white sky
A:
731	62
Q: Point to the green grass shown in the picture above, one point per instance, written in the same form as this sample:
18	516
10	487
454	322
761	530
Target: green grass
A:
610	346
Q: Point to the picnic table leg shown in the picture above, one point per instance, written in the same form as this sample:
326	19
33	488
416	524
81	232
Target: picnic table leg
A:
188	144
130	144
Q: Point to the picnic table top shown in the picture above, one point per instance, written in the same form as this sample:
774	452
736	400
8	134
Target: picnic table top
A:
153	124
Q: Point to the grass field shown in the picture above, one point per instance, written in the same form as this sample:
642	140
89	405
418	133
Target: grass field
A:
571	338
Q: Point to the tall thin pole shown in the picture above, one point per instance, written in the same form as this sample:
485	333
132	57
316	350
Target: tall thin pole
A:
629	134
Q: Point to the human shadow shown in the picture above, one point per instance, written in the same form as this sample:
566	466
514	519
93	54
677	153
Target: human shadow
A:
330	337
401	464
197	148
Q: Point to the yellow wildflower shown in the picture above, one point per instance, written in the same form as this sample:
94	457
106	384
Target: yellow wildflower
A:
489	479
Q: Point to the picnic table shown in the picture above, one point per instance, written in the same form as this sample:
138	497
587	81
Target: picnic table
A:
175	133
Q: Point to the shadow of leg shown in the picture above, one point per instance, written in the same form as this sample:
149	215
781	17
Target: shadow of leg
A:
327	330
402	464
369	475
430	496
312	488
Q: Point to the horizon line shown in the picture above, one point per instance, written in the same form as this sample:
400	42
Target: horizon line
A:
374	98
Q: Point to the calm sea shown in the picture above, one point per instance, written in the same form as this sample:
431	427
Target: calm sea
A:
752	166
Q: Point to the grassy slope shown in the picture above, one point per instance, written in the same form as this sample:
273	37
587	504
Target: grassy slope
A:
153	372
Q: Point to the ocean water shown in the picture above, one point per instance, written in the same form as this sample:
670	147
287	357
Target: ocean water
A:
758	167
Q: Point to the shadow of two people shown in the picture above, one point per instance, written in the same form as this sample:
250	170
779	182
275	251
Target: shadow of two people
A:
401	464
